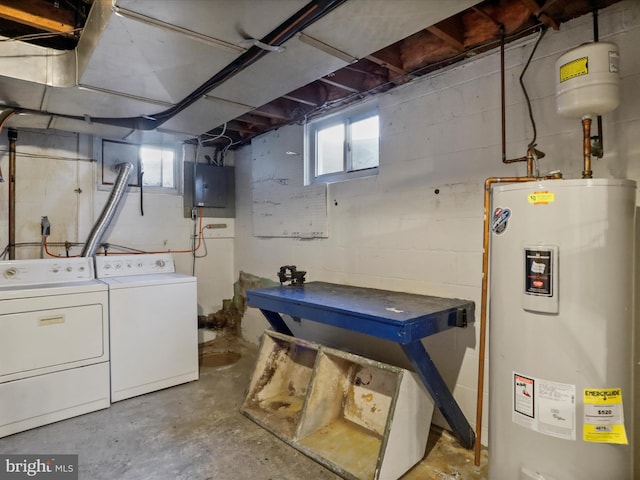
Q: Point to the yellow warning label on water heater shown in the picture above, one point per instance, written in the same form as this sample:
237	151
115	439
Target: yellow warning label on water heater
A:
575	68
541	198
604	416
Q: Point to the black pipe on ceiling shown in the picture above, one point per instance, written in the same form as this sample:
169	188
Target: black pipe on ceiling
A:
302	19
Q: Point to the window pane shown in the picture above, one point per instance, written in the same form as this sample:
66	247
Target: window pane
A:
330	145
157	164
167	169
364	143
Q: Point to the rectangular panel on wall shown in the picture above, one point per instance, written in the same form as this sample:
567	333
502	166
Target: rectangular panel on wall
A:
282	205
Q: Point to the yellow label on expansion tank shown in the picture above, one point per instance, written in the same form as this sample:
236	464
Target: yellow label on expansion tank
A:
604	416
574	68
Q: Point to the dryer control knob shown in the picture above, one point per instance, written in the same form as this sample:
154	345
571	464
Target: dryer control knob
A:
160	263
10	272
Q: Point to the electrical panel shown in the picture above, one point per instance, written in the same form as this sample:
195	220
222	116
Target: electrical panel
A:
209	187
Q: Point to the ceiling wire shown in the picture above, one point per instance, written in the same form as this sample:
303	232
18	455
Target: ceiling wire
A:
37	36
532	144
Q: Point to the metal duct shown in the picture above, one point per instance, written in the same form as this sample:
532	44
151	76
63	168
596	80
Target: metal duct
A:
303	18
109	210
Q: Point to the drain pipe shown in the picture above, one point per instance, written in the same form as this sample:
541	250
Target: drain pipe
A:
109	210
13	136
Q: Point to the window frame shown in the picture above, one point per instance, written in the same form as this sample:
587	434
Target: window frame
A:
134	183
344	117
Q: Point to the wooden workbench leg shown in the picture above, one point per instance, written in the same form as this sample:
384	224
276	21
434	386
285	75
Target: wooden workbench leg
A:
442	397
276	322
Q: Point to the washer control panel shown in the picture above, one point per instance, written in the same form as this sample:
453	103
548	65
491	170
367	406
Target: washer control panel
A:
45	271
126	265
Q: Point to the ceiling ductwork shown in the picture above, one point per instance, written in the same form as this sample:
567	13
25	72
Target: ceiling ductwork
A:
174	70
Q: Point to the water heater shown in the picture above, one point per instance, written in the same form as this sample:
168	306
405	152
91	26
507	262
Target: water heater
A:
560	326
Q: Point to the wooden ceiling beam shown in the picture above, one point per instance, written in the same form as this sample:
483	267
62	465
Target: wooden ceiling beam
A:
393	67
540	14
300	100
38	14
450	31
238	126
309	94
255	120
338	85
352	80
271	111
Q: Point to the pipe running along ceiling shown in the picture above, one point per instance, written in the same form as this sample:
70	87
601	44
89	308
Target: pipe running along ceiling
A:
142	70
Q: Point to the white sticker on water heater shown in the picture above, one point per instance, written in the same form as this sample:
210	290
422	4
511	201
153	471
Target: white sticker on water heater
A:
543	406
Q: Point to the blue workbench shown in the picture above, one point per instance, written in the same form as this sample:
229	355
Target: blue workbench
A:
403	318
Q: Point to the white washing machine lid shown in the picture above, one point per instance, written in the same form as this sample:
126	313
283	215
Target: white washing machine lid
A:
147	280
44	290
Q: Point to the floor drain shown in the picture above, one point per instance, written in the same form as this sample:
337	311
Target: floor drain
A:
218	359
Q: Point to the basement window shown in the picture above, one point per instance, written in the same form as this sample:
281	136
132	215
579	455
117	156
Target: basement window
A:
155	167
342	146
158	167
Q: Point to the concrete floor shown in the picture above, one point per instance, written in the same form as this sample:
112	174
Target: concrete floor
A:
196	432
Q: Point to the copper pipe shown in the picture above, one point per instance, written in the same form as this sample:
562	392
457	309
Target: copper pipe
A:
13	136
483	300
586	143
529	163
5	115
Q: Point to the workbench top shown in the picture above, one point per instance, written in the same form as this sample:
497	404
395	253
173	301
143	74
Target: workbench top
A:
398	316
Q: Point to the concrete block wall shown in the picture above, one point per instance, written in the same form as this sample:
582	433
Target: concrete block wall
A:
56	176
417	226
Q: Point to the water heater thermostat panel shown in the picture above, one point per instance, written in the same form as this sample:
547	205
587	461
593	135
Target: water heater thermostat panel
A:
540	278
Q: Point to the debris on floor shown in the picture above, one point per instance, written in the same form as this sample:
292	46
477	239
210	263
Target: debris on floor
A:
446	459
228	318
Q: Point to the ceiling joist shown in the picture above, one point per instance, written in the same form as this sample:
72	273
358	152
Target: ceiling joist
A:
450	31
38	14
539	13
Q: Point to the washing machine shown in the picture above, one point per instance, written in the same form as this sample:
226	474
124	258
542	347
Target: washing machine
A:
153	321
54	342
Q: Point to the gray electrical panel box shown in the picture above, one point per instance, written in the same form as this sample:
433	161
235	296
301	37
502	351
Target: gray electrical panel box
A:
209	187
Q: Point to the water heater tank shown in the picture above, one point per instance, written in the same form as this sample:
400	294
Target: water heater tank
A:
560	358
587	80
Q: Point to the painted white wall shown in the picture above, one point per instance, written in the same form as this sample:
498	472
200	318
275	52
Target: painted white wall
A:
56	176
395	232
